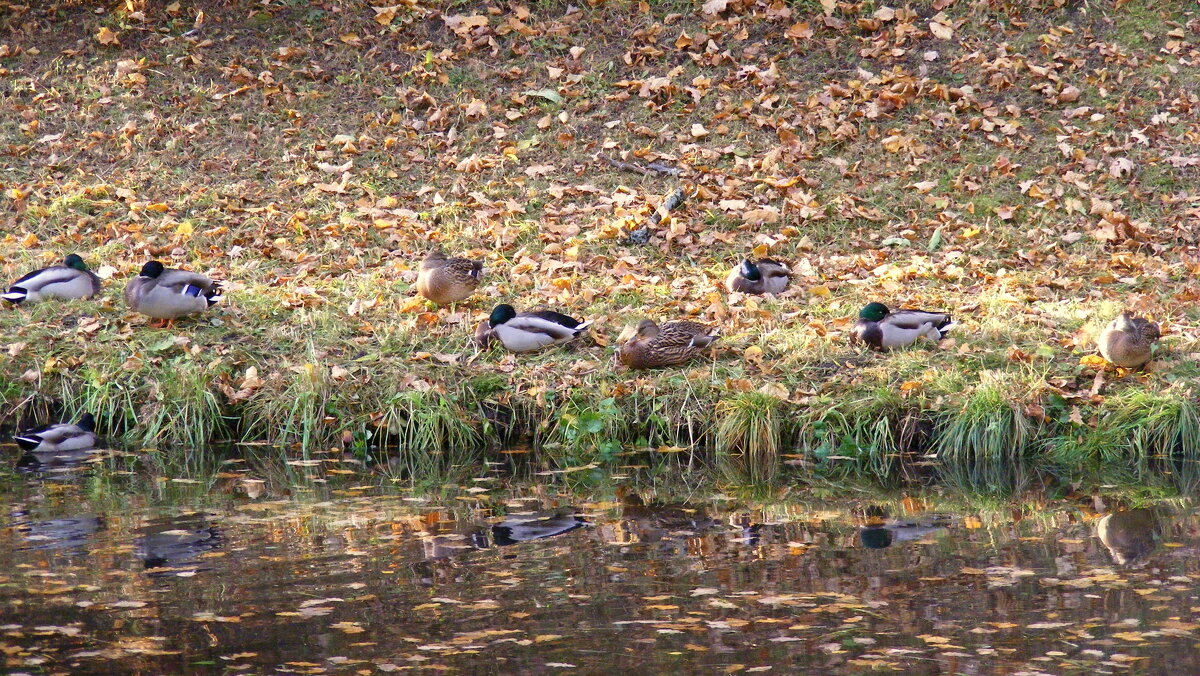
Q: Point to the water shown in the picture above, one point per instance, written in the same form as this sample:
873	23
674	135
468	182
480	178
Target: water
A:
198	577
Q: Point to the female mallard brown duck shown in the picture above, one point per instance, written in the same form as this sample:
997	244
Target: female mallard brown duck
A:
670	344
448	280
70	280
1127	341
765	276
881	329
59	436
527	331
166	294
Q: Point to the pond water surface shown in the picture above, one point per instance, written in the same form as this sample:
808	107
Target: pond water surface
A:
201	577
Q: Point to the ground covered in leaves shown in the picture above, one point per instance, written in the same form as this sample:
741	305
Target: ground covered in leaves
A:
1029	166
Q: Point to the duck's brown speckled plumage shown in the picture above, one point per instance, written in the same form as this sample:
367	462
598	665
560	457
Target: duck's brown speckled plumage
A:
669	344
448	280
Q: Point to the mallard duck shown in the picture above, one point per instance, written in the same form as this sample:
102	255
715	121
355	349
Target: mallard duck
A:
448	280
70	280
528	331
880	328
59	436
1127	340
668	344
167	294
765	276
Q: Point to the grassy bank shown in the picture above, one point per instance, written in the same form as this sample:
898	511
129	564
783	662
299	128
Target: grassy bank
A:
1030	169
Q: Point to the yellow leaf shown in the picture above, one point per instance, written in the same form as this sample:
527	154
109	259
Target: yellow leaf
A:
160	207
820	291
185	229
107	37
29	240
384	15
1092	360
753	353
910	385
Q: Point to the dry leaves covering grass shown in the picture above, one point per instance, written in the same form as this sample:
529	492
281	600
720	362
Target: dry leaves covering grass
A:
1029	166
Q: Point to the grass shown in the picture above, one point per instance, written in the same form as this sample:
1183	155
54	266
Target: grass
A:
985	444
207	167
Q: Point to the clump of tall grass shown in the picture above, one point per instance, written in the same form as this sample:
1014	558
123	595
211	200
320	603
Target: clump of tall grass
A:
868	436
983	446
749	436
292	408
108	394
432	434
1138	435
180	408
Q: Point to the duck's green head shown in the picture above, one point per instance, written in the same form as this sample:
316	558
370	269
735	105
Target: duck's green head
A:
873	312
501	314
152	270
750	271
74	261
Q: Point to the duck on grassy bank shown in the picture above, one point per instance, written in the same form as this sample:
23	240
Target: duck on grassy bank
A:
167	294
765	276
448	280
882	329
669	344
58	437
527	331
1128	341
68	281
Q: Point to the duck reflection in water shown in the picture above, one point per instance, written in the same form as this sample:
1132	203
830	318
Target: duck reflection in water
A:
526	527
67	535
668	523
177	543
1129	535
48	461
880	532
440	548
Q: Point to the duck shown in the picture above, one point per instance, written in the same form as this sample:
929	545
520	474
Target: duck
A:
669	344
1127	341
447	280
880	328
63	436
167	294
527	331
765	276
68	281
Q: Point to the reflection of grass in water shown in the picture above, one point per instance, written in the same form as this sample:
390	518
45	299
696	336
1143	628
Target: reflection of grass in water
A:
1139	436
749	436
983	445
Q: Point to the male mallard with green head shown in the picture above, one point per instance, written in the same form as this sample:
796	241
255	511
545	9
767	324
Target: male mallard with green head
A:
1127	341
880	328
448	280
765	276
59	436
527	331
166	294
669	344
70	280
